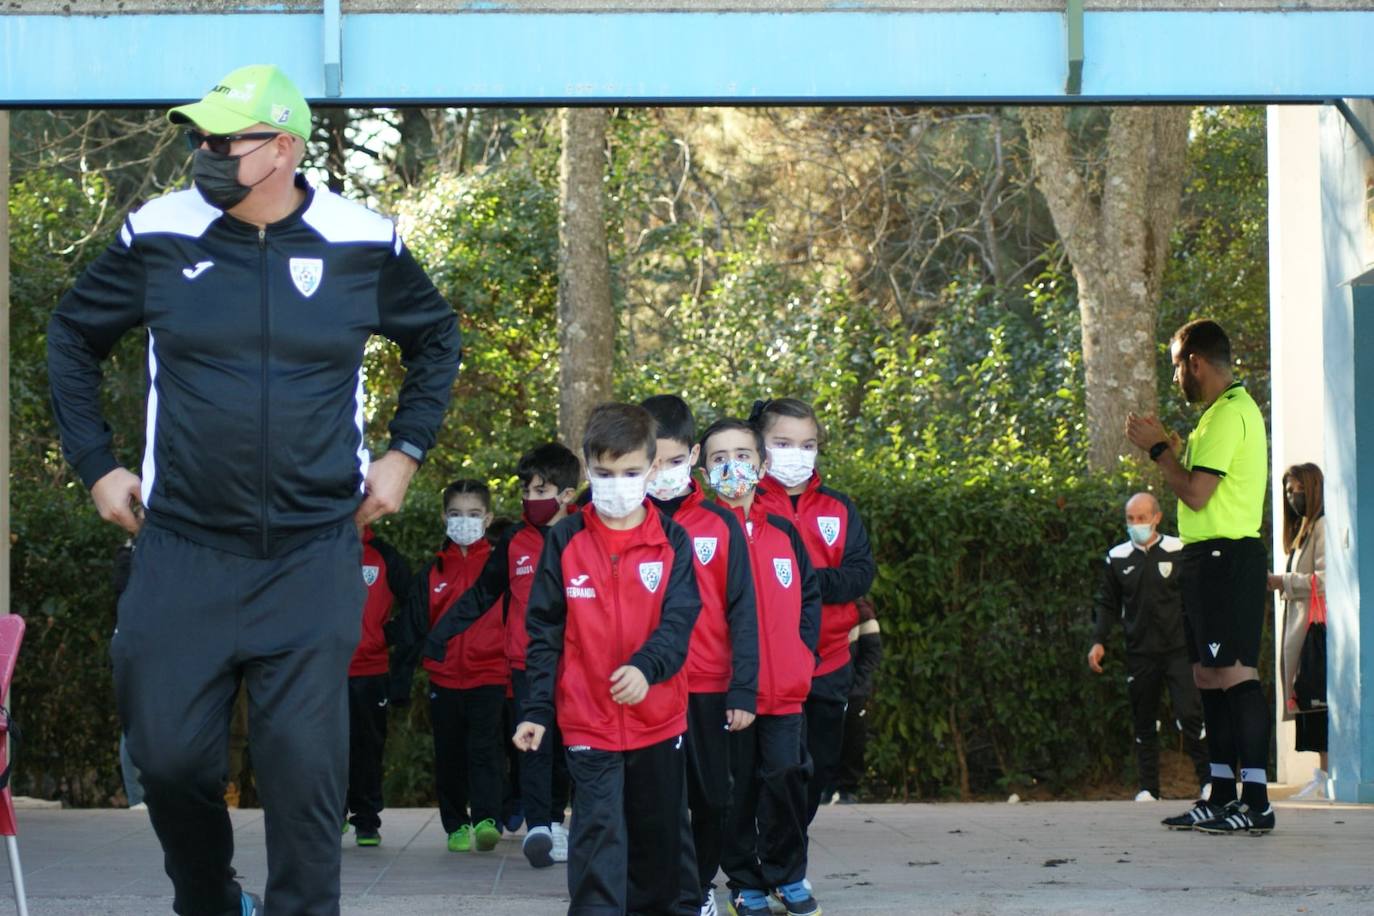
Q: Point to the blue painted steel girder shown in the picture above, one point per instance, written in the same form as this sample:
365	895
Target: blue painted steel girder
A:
732	58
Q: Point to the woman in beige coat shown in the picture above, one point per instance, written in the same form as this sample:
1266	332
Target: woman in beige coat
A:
1304	540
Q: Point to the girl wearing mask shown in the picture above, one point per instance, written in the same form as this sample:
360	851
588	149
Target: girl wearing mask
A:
1304	646
837	545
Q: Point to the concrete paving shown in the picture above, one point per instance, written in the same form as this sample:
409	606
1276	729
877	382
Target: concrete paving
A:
1029	858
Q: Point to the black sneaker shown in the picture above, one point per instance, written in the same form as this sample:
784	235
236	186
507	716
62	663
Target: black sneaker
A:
1238	817
368	837
1202	810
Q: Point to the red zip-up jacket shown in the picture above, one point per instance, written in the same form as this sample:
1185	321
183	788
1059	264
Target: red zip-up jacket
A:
507	577
476	657
591	612
838	547
789	609
386	575
724	654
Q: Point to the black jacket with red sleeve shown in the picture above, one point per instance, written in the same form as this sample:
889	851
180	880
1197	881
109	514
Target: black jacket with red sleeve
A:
837	544
592	611
788	595
724	655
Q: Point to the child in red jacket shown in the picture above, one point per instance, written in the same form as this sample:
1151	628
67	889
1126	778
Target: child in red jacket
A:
610	619
548	476
467	690
723	661
766	849
838	547
387	577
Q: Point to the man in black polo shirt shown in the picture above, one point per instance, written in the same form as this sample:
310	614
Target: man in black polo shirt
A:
1140	588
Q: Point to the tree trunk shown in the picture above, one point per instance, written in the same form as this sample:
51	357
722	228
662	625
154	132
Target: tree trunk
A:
586	323
1118	241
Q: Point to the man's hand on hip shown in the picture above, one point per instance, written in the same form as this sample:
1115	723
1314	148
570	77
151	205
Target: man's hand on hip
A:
388	478
117	498
1095	655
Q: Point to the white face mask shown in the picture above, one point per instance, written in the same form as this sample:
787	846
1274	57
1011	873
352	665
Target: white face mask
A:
464	530
671	481
617	497
791	467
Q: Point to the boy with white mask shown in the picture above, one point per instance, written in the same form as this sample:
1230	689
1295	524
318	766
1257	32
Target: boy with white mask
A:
766	846
610	619
838	547
467	689
723	660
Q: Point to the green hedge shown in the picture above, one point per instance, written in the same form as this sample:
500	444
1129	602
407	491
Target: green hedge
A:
984	587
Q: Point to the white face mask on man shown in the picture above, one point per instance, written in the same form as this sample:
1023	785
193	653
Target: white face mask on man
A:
791	467
464	530
617	497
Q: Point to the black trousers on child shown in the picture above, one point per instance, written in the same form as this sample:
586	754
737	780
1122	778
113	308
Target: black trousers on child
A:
544	781
825	732
510	787
849	775
627	830
765	846
367	702
193	623
467	753
709	786
1147	676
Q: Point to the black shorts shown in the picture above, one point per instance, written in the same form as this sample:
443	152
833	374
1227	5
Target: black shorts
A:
1225	594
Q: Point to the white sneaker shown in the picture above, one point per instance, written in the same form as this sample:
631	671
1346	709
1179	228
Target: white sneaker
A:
1145	796
560	843
708	907
141	806
1316	788
1206	793
537	847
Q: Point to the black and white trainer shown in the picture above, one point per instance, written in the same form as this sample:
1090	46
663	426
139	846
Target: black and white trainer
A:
1201	811
1238	817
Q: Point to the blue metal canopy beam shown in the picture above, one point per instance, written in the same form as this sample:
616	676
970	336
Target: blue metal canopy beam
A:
689	58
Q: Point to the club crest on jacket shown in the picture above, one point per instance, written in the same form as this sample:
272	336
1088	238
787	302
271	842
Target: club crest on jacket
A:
307	273
651	574
705	548
782	568
829	526
370	575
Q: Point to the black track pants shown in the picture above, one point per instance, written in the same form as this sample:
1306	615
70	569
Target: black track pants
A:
367	710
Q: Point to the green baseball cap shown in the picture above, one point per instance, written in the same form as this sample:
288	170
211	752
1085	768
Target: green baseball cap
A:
257	94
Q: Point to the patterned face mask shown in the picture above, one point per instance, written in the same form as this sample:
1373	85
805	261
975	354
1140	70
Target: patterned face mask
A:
671	482
734	479
464	530
617	497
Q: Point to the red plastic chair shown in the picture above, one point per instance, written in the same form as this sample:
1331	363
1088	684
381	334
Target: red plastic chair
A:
11	636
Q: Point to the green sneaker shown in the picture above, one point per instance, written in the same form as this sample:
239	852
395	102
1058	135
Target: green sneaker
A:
487	835
368	838
460	840
345	827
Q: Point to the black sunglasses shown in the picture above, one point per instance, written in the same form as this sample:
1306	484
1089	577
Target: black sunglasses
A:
220	144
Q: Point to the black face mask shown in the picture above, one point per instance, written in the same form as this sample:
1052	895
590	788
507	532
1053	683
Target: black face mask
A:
217	178
1298	503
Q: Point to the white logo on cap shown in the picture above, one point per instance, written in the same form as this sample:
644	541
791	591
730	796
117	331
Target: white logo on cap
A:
281	114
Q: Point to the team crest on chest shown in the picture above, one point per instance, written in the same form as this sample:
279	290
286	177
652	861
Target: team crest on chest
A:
307	273
370	575
830	528
706	549
1166	569
782	568
651	574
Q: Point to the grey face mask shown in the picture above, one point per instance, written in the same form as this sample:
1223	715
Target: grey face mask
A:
217	177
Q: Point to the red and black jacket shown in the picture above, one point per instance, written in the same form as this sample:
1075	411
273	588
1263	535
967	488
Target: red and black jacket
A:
838	547
477	656
724	653
789	609
508	577
386	576
592	611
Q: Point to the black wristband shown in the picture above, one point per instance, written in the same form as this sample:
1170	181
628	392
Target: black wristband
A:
1159	448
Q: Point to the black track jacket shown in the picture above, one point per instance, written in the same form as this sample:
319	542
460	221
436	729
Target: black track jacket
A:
255	347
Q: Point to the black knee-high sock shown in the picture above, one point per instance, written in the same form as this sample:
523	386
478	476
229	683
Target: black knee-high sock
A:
1221	745
1250	718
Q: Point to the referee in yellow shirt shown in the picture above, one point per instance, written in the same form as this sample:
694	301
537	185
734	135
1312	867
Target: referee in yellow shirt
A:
1220	479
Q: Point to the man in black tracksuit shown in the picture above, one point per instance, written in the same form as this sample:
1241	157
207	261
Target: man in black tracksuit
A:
1140	588
259	294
